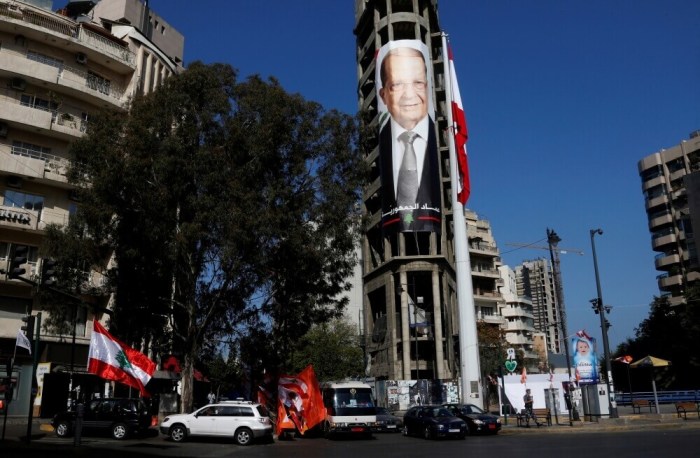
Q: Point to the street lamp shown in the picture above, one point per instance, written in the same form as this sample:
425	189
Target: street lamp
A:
612	407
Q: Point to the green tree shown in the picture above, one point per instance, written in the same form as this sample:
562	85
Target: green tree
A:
230	210
333	349
668	333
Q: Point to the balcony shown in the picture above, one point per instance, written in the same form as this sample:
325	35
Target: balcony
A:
47	26
33	164
660	242
31	220
664	261
666	282
511	312
485	272
656	202
659	221
77	80
656	181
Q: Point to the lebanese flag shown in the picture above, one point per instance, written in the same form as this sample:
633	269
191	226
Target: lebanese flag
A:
112	359
461	134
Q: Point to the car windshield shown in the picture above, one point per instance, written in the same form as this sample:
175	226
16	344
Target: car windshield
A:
471	409
439	412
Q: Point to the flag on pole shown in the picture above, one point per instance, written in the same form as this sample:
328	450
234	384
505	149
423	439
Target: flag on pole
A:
112	359
23	341
300	403
459	125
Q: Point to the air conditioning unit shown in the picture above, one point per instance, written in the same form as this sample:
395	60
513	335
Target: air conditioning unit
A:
3	130
14	181
18	84
81	58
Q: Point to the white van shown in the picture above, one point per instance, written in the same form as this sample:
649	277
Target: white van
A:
350	409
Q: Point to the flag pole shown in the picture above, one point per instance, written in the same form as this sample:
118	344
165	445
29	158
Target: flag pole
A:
468	345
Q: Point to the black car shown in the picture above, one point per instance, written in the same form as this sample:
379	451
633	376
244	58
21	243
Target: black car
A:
479	421
387	422
118	417
432	422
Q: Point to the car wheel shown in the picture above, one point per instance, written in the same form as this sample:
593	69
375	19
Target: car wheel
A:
427	434
63	429
243	436
178	433
119	431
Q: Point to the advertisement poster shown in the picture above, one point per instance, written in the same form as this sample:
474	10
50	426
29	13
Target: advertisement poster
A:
408	147
585	359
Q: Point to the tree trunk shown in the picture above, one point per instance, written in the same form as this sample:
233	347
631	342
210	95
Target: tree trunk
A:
186	384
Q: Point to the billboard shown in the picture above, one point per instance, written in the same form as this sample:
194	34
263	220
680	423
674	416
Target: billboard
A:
408	147
585	359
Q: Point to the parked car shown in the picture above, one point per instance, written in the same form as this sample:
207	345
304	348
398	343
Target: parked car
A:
478	420
244	421
387	422
432	422
119	417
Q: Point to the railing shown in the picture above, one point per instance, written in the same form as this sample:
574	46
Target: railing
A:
664	397
37	17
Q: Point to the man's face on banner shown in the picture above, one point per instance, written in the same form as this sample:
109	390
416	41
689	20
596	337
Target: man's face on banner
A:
405	91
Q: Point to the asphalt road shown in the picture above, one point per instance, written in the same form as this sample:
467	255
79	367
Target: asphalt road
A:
542	443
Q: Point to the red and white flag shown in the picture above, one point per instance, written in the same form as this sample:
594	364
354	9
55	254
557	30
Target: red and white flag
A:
459	125
112	359
300	403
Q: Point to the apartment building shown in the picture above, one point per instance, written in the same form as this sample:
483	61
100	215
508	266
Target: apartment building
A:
58	68
671	188
519	316
535	280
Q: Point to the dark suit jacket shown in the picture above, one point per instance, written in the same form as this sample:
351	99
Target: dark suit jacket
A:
421	219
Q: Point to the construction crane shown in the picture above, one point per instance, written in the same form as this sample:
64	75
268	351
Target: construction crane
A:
542	247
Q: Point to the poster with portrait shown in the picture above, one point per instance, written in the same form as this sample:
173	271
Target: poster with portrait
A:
585	359
408	148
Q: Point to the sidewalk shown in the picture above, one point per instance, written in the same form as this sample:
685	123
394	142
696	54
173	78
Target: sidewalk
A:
627	421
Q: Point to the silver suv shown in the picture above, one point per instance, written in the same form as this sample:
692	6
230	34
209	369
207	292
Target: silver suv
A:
242	420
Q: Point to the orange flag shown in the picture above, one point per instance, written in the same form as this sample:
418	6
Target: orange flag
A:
300	403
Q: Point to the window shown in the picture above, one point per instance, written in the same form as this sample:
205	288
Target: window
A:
18	199
30	150
98	83
44	59
32	101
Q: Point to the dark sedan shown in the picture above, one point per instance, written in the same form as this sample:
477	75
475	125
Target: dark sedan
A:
479	421
432	422
387	422
118	417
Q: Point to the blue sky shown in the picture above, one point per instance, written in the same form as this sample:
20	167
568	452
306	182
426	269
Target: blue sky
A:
562	99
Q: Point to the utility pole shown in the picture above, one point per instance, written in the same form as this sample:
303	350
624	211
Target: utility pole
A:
604	329
553	239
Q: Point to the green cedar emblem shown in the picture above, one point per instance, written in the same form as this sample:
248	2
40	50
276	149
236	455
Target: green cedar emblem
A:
123	361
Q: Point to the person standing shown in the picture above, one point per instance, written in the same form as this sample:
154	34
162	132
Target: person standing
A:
211	397
529	412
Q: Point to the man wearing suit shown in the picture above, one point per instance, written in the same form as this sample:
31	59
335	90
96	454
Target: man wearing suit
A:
407	146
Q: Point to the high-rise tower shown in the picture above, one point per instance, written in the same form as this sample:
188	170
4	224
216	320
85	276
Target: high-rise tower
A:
408	252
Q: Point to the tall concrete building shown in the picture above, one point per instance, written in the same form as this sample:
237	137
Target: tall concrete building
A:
58	68
519	317
671	188
409	276
535	279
